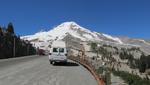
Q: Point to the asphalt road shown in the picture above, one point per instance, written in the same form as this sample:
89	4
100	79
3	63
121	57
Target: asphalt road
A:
36	70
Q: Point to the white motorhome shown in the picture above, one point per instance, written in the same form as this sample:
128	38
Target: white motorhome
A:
58	52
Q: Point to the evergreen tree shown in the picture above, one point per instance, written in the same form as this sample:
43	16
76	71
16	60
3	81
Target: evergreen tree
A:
93	47
7	46
148	61
142	65
10	28
1	31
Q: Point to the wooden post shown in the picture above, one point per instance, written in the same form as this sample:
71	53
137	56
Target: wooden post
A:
14	48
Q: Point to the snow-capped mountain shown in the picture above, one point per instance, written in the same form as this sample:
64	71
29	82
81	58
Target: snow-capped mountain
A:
74	30
44	38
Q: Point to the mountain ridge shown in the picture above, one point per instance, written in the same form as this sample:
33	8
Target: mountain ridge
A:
75	30
59	32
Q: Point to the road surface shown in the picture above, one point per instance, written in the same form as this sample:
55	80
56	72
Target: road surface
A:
36	70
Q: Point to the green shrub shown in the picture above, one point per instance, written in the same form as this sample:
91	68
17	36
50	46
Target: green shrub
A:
131	79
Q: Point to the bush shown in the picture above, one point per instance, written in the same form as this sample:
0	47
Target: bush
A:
131	79
93	47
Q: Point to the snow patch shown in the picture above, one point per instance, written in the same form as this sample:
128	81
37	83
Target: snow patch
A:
113	38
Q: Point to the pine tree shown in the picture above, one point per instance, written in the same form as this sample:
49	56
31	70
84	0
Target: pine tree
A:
1	32
142	65
93	46
7	44
10	28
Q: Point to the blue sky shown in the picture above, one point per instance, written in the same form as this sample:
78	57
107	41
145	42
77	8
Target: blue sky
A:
115	17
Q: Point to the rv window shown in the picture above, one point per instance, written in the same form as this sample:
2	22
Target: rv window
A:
61	50
55	49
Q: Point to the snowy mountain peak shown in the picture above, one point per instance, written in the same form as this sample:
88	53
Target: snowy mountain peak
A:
70	26
69	23
74	30
71	30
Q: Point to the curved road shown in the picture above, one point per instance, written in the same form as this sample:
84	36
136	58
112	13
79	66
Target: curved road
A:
36	70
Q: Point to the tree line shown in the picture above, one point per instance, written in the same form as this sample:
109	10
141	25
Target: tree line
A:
11	45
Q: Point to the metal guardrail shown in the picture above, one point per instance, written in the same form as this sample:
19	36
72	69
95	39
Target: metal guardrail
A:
85	61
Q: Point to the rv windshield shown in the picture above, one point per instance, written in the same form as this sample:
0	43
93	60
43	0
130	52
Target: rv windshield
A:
61	50
55	49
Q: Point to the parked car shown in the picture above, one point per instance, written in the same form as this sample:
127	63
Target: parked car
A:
41	52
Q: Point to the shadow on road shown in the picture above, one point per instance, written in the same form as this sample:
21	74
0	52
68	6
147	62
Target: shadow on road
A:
66	64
